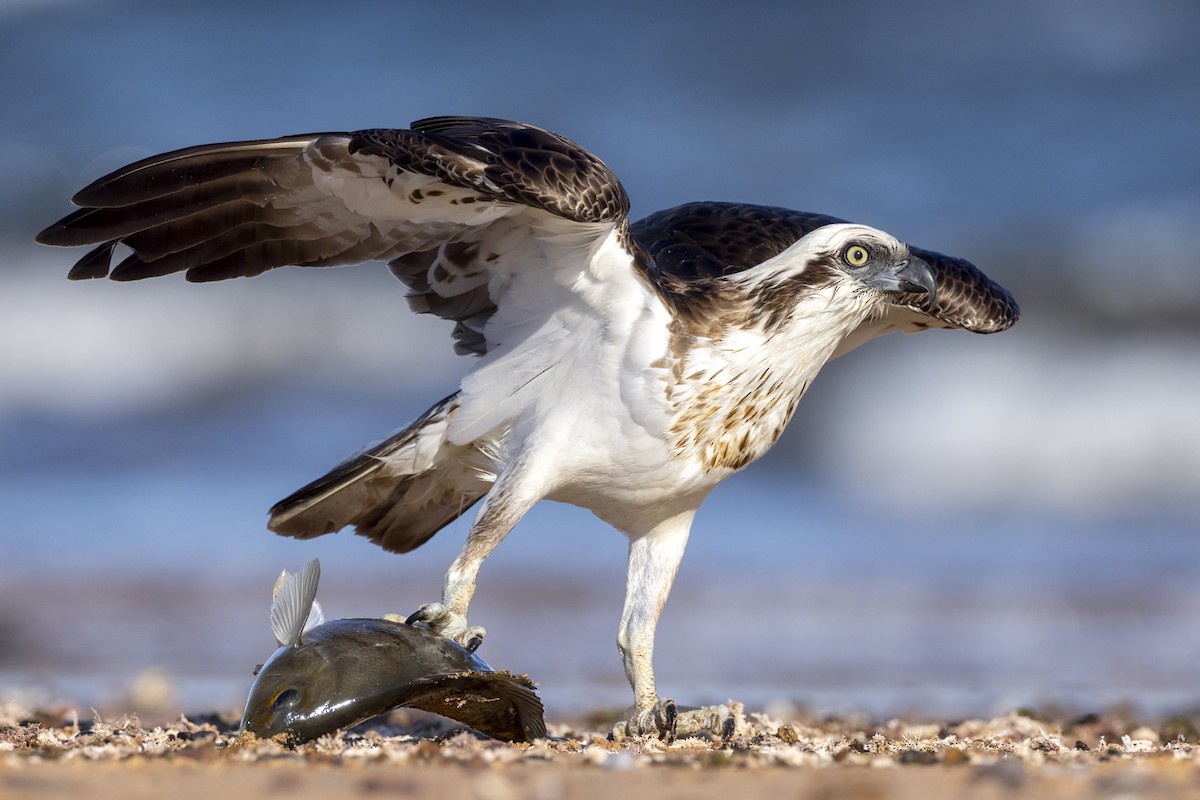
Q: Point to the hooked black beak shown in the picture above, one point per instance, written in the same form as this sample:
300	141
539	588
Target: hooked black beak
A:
911	275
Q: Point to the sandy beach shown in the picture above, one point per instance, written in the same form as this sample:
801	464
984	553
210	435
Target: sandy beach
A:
60	753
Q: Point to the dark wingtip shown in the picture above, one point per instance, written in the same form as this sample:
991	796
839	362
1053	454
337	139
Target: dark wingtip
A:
47	235
75	229
95	193
93	265
63	233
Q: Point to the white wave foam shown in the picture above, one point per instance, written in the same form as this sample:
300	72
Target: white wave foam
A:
1036	417
97	347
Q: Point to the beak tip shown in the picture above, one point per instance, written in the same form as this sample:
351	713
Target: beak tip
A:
918	274
912	276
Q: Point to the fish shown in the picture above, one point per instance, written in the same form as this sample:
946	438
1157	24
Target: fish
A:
328	675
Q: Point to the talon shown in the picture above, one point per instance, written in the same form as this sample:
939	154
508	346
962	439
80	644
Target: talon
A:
659	720
727	727
471	637
670	718
430	614
450	624
620	731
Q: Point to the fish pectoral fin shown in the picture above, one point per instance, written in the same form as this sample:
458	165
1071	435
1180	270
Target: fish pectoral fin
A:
497	704
294	602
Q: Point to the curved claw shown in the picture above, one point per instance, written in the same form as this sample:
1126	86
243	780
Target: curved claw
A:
441	620
430	615
417	616
728	725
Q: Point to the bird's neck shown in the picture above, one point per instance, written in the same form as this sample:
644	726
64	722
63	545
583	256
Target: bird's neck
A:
735	389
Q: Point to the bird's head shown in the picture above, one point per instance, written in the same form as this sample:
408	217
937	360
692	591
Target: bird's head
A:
833	278
866	259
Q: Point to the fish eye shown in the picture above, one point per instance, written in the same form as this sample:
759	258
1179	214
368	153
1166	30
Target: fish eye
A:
289	698
855	255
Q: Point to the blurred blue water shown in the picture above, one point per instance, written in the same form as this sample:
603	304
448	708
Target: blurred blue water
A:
1038	542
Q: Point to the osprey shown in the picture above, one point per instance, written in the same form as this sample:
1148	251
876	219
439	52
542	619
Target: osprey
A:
624	368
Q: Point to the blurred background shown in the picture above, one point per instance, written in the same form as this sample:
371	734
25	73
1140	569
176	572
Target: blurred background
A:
1033	541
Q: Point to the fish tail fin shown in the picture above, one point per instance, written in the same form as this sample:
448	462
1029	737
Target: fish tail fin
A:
398	493
294	606
527	710
498	704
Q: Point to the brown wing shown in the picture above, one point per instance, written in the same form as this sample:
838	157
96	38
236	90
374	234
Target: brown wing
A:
698	241
450	202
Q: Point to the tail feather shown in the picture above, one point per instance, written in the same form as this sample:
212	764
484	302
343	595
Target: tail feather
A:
397	494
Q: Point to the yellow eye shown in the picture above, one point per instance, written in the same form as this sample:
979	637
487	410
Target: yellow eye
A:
856	255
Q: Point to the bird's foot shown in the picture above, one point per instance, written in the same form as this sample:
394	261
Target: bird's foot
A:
667	721
706	721
441	620
659	720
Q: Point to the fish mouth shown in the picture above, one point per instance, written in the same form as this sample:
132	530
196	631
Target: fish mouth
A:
292	735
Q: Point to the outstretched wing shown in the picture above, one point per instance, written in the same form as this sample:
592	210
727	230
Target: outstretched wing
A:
697	241
459	205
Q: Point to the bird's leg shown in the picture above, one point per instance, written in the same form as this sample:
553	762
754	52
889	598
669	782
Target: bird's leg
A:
505	504
653	561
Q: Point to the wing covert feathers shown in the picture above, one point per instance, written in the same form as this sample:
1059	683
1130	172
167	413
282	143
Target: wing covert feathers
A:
506	160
